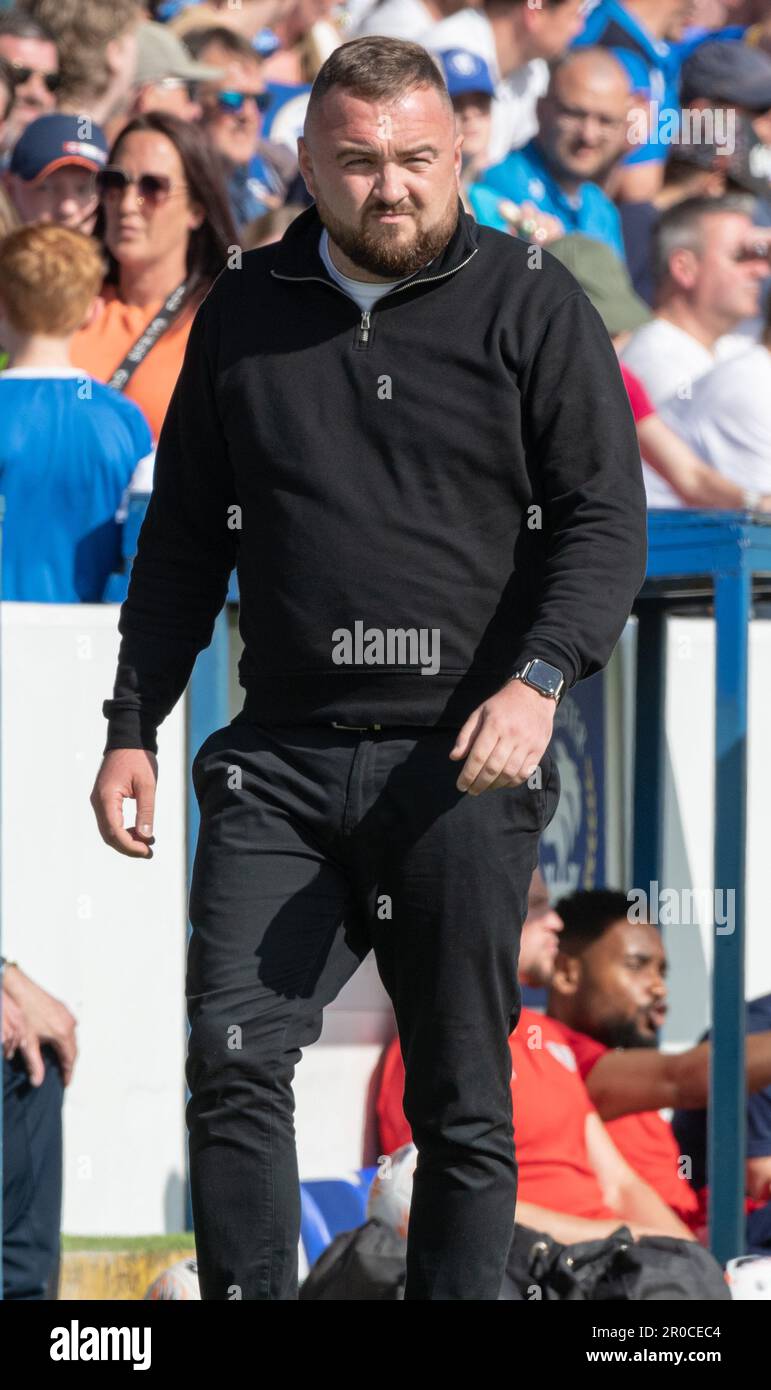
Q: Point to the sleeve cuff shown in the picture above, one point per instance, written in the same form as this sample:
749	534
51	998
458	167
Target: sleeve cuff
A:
129	728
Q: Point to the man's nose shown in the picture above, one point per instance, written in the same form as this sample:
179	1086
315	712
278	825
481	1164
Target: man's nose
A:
591	129
389	184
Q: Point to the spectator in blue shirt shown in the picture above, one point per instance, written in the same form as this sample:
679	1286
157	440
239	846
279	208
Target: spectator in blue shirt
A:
638	32
581	137
69	447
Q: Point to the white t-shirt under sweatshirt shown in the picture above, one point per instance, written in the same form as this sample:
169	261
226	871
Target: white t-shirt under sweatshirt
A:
364	292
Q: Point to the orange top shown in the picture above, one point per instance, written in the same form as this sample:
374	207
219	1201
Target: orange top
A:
101	348
550	1104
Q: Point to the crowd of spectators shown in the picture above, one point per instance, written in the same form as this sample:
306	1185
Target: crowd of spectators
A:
630	138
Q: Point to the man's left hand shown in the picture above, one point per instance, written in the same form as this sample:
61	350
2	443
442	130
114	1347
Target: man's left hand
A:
504	739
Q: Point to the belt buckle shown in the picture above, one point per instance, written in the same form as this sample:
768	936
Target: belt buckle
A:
356	728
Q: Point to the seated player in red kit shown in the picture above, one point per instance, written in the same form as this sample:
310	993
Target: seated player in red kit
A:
608	993
573	1181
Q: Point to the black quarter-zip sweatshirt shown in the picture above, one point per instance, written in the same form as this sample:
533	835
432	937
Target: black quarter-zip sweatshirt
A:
457	470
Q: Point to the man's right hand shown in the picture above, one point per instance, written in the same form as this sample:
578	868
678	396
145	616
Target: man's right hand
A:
126	773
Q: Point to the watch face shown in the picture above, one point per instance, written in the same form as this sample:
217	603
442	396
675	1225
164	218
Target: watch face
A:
545	676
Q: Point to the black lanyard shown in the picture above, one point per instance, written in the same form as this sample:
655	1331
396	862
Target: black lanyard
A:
147	339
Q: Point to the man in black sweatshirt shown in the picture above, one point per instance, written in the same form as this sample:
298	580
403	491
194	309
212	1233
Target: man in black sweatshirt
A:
411	437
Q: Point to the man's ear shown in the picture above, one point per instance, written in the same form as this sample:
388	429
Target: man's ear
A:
683	267
112	56
458	157
566	974
306	166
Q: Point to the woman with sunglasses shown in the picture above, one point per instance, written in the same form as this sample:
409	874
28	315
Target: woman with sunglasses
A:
166	227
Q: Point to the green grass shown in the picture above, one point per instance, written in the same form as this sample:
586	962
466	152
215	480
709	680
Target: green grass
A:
183	1240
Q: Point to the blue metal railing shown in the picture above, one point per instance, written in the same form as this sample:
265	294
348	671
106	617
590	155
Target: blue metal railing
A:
723	555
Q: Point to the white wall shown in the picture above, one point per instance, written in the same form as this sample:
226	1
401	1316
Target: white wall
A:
104	933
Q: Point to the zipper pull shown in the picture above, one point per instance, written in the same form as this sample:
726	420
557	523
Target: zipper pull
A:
362	332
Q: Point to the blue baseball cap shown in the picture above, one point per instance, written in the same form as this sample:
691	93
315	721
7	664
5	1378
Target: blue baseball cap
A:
52	142
466	72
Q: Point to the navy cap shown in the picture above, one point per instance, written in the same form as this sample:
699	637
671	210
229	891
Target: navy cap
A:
466	72
52	142
728	70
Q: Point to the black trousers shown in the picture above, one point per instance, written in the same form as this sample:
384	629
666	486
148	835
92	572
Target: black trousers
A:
316	845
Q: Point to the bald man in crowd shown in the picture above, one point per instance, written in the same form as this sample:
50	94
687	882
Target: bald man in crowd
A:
581	140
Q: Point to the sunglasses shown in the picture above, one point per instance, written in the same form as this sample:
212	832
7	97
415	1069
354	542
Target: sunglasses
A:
20	75
756	251
151	188
235	101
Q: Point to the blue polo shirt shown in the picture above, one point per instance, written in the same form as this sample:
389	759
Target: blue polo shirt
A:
524	176
68	449
653	64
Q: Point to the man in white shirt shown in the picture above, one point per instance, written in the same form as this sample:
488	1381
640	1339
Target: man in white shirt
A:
709	264
727	422
516	40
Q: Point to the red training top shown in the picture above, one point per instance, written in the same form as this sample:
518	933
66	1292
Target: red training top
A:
550	1104
645	1139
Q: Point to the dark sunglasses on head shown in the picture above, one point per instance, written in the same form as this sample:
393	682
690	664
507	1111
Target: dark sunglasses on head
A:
234	101
21	75
151	188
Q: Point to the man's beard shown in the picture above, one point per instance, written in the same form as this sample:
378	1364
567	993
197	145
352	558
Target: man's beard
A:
623	1032
371	246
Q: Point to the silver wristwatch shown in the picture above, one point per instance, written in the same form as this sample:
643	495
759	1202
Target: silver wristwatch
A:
548	680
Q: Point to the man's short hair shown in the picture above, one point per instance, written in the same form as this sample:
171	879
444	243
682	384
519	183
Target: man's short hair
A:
49	276
232	43
81	30
682	228
587	916
376	68
18	25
